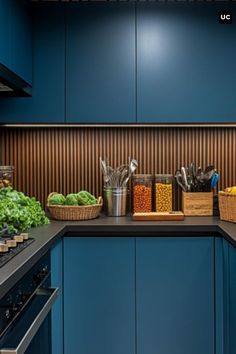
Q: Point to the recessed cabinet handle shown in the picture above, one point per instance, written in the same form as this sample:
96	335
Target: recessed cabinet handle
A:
32	330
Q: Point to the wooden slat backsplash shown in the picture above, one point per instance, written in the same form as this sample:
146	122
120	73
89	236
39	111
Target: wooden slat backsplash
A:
67	159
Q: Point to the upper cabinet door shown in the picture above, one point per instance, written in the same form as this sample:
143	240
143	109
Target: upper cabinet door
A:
16	37
21	39
100	63
5	14
47	103
185	63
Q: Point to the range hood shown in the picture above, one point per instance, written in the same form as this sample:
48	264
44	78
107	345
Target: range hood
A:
11	85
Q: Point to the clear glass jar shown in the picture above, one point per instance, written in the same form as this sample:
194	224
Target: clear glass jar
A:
142	193
163	193
6	176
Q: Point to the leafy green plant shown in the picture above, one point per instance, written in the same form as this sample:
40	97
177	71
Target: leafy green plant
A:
56	199
20	212
85	198
71	199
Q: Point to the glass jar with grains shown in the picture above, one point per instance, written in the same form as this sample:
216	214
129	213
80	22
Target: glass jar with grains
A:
163	193
142	193
6	176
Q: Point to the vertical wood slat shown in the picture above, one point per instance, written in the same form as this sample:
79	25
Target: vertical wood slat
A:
67	159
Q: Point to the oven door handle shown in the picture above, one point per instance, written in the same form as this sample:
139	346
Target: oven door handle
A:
32	330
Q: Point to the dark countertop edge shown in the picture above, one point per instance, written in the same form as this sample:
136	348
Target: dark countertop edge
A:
151	229
141	230
225	234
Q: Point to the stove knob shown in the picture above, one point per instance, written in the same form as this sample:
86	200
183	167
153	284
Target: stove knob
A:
36	278
24	297
19	304
44	271
14	309
8	314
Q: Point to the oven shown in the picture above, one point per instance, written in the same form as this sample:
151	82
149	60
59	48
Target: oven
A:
25	312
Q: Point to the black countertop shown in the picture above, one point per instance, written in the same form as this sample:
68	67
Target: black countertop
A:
46	236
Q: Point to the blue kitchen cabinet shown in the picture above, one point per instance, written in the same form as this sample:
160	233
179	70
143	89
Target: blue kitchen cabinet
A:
47	104
175	295
100	63
185	63
57	310
225	271
5	30
16	37
222	296
21	39
99	295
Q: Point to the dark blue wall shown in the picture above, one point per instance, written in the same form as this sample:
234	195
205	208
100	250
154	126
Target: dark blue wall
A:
122	62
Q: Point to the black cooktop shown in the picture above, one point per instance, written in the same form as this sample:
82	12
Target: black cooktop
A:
6	257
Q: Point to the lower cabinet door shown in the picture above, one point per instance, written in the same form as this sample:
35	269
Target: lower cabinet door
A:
222	296
175	295
99	295
225	296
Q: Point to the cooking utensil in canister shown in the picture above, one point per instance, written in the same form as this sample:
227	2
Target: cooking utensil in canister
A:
200	181
184	178
118	177
214	180
132	167
178	177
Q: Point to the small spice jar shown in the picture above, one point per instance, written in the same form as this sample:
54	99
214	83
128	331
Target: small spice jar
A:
142	193
6	176
163	193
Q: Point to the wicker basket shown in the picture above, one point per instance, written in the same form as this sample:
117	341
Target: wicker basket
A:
75	212
227	206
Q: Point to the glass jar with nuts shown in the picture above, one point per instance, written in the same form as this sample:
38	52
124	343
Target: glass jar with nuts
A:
6	176
163	193
142	193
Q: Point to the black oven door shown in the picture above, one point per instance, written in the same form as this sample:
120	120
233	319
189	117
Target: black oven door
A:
31	332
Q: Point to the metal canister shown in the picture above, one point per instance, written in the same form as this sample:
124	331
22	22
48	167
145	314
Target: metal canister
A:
116	201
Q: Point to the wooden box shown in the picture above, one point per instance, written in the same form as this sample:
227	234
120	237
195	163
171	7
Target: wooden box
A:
197	204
